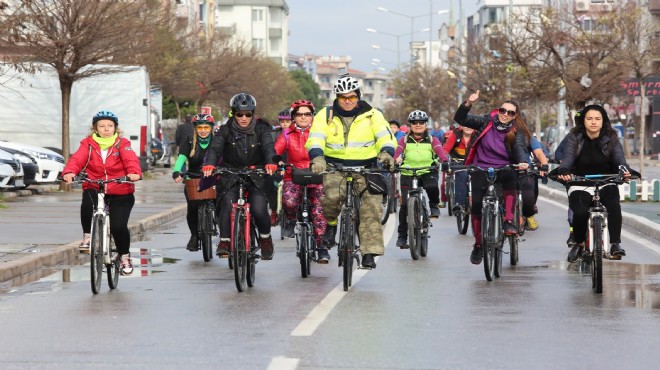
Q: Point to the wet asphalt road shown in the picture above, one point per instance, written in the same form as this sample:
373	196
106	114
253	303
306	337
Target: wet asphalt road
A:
177	311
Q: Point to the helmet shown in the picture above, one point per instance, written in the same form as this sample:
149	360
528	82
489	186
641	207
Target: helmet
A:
202	119
302	103
243	101
105	114
285	114
418	115
346	84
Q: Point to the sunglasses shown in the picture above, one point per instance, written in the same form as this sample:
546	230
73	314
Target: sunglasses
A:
510	113
240	115
304	114
203	126
352	98
419	123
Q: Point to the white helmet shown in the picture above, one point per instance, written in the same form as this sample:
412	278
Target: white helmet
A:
346	84
418	115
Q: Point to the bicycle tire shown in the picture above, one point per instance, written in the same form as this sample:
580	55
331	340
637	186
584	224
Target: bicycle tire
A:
497	270
304	250
393	199
449	191
251	271
513	249
112	268
386	210
347	240
487	240
96	253
205	219
238	252
462	221
414	226
597	255
423	251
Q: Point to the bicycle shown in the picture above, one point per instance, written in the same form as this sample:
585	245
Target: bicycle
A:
463	216
349	239
206	220
305	241
244	243
102	252
281	218
418	215
391	200
597	244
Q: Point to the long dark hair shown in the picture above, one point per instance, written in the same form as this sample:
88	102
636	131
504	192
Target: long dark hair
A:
607	125
519	124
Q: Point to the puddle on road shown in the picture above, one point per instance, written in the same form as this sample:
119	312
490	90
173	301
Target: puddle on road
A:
145	262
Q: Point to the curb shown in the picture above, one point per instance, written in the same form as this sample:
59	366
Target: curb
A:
30	267
638	223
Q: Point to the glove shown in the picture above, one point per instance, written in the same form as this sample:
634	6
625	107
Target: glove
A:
386	160
270	168
208	167
176	175
319	164
444	166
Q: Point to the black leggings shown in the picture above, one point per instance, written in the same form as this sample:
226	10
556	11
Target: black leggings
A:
427	181
120	207
192	215
258	209
580	201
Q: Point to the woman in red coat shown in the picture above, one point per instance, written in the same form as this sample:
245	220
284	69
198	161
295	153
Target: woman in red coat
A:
292	142
106	155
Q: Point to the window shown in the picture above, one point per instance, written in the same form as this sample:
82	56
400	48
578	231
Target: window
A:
257	15
258	44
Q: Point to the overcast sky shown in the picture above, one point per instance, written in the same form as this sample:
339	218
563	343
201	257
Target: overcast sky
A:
338	28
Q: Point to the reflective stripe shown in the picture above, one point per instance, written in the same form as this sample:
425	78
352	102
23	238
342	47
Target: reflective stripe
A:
334	146
382	133
317	135
360	144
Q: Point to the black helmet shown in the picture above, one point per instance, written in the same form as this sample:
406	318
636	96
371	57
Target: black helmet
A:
243	101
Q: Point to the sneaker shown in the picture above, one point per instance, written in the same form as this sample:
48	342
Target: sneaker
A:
402	242
223	248
575	253
476	256
442	205
273	218
531	224
435	211
266	248
126	264
368	261
192	244
570	242
322	256
84	244
289	230
509	228
329	236
616	250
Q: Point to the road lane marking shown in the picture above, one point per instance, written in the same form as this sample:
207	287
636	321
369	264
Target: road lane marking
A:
283	363
320	312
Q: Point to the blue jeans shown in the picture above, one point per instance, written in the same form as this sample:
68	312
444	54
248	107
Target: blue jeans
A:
461	187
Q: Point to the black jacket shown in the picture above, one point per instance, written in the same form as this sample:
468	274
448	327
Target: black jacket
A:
612	149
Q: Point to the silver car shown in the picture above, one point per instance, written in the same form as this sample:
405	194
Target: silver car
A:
11	171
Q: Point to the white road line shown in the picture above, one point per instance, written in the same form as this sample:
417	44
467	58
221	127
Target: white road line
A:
624	232
283	363
320	312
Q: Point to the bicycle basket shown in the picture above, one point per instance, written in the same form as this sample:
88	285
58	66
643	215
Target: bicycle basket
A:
191	189
301	176
376	184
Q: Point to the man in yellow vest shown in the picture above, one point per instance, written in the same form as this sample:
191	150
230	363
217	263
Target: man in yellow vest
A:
352	133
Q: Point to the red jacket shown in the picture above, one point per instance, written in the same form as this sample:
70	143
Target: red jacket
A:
292	141
121	161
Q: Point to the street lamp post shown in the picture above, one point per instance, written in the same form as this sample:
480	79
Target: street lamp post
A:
398	44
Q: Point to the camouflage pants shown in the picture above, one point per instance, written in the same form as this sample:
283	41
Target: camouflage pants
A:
371	209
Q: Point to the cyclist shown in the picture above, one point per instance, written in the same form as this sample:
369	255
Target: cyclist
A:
592	147
292	142
395	128
193	150
530	184
458	143
503	141
284	119
105	154
243	142
355	134
418	149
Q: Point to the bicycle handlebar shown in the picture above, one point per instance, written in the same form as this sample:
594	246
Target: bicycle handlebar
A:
240	171
82	178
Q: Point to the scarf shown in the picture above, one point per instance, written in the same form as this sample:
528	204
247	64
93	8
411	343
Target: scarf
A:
249	129
502	126
105	142
203	142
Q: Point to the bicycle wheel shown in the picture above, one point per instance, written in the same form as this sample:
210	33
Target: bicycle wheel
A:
414	226
251	272
513	249
346	249
386	209
462	221
449	190
96	253
488	239
238	252
393	198
597	256
205	219
498	258
112	269
424	236
304	250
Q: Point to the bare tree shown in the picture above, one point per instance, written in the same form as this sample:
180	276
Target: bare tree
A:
72	35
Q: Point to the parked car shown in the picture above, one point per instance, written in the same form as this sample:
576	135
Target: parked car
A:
29	164
50	163
11	171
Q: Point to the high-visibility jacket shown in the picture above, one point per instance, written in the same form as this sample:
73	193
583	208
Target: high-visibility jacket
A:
368	135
